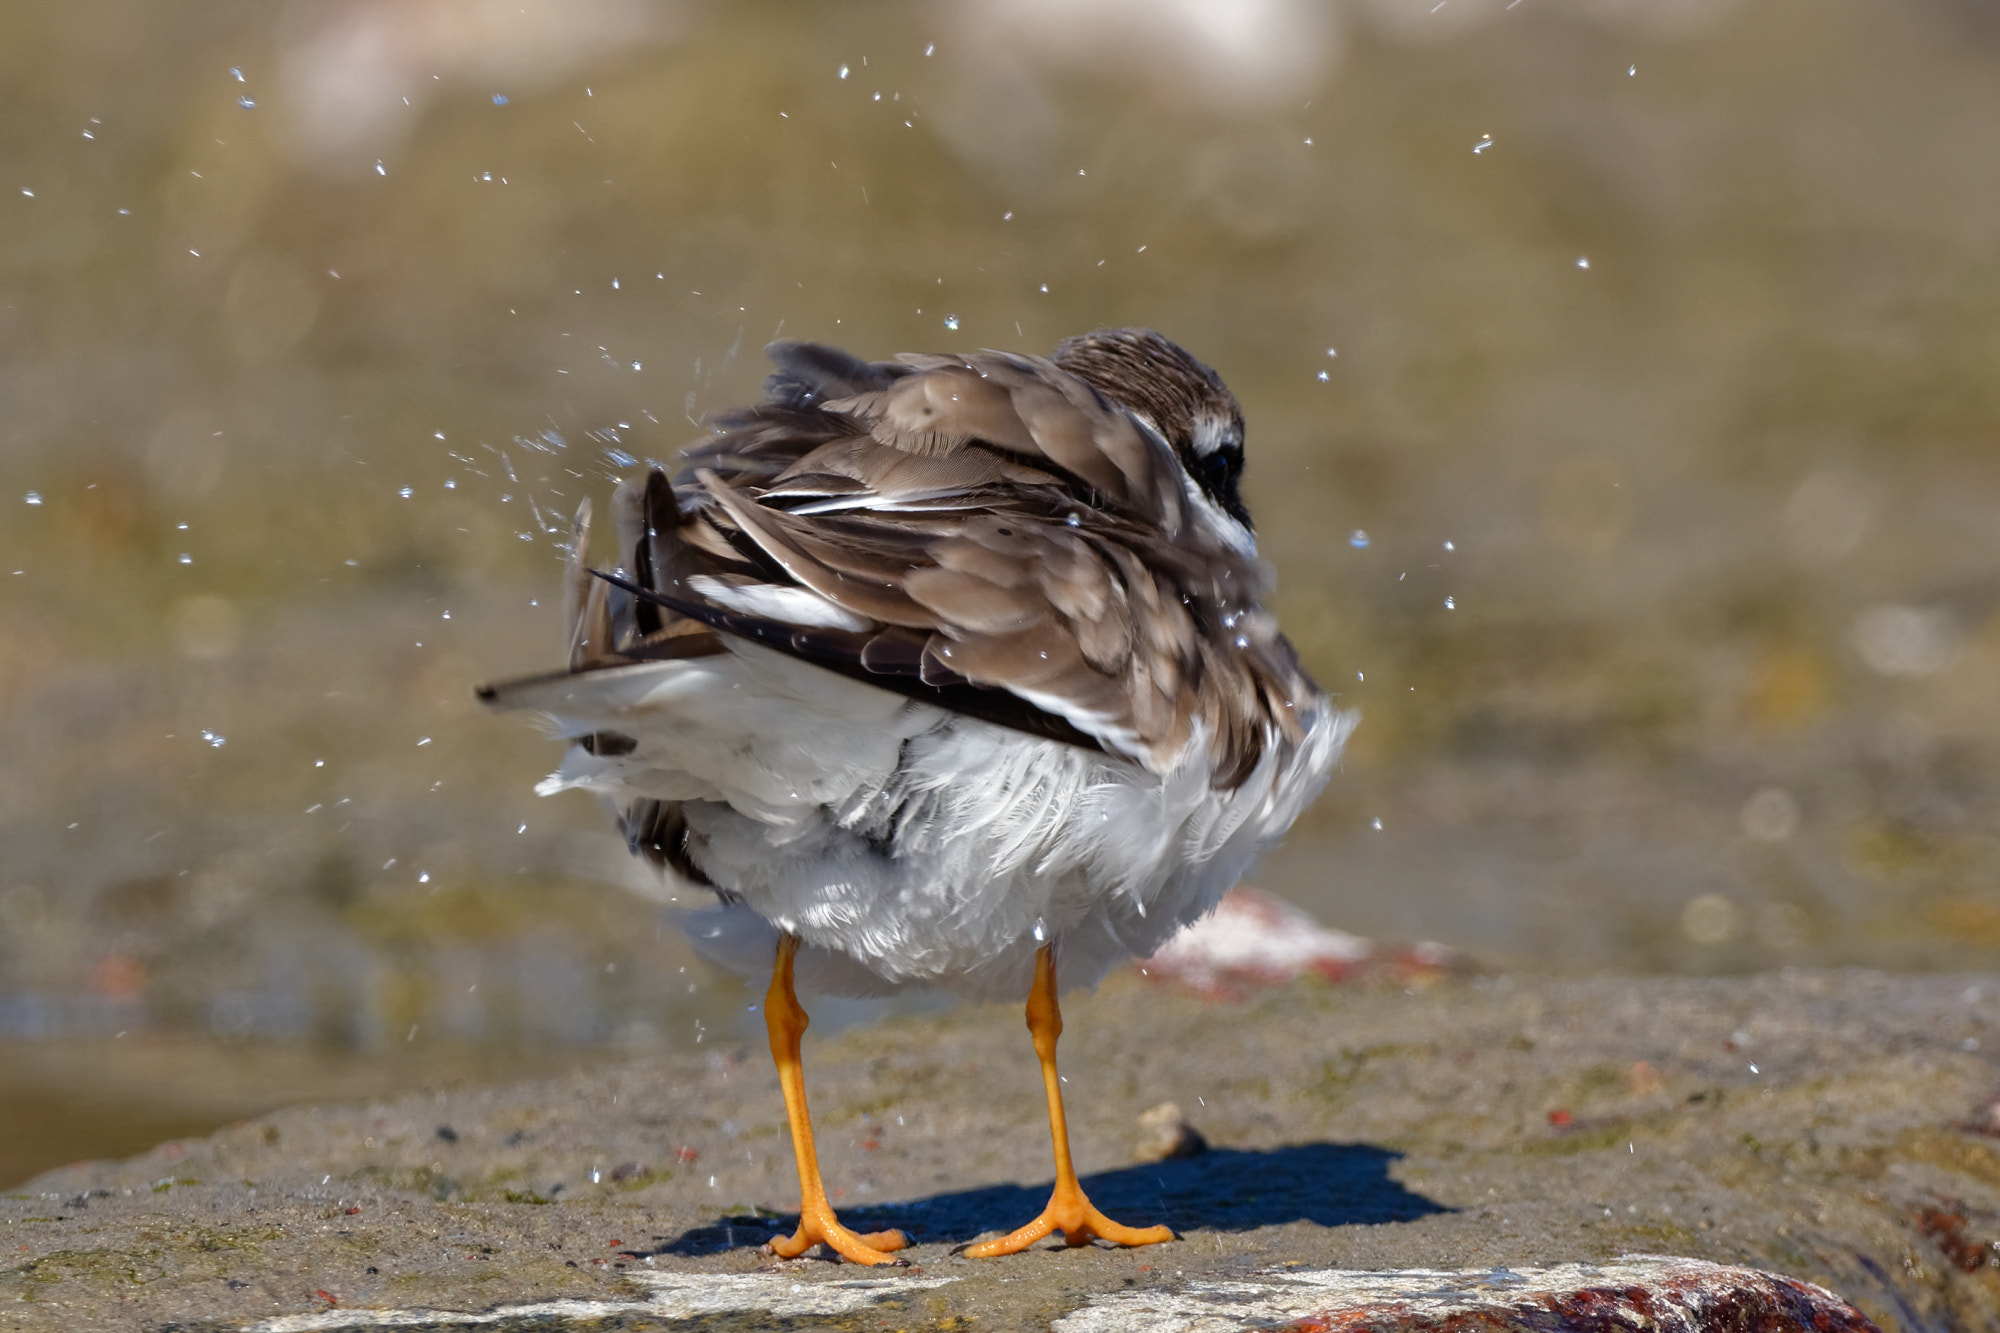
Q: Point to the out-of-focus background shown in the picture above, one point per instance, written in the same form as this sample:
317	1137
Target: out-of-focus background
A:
1623	385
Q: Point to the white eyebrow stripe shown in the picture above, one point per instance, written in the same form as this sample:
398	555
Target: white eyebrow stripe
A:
1211	432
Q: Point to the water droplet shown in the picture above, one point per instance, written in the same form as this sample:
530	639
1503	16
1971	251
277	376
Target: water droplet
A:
522	829
1008	216
951	322
380	170
1450	604
451	483
1582	262
32	497
246	102
499	99
595	1176
215	740
1242	641
635	365
407	492
424	878
1045	287
1041	931
927	50
425	741
1450	547
619	458
1375	824
843	71
1485	142
1333	351
1631	71
1357	539
236	73
186	558
1324	377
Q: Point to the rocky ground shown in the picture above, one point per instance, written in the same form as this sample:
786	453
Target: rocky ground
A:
1828	1126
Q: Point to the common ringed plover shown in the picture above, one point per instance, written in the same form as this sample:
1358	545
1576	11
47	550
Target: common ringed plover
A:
953	671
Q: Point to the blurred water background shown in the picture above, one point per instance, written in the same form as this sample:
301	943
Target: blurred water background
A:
1623	385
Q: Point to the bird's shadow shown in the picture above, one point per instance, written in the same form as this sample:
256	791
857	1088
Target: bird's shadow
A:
1223	1189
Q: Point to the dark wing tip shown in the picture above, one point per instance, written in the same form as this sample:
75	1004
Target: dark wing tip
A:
808	373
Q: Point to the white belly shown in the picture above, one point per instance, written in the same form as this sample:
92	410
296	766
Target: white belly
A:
907	844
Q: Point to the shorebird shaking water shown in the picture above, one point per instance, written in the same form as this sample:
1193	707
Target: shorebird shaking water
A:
947	671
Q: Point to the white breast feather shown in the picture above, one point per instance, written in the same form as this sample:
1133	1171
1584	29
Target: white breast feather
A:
907	844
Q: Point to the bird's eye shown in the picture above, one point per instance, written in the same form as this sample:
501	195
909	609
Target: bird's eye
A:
1217	470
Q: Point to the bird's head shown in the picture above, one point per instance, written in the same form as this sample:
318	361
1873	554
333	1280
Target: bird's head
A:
1185	401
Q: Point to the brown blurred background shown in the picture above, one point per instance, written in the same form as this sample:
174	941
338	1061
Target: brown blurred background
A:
1623	383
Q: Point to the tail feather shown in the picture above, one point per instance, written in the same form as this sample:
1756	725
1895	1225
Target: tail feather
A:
584	618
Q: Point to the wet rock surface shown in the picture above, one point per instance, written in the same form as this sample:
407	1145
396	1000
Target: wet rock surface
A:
1828	1127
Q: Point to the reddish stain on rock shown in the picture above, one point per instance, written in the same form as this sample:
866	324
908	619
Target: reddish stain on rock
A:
1682	1296
1945	1225
1255	938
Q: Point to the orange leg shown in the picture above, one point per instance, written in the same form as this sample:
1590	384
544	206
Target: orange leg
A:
1069	1211
786	1022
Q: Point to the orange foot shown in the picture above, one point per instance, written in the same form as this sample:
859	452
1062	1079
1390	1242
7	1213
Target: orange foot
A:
818	1226
1071	1213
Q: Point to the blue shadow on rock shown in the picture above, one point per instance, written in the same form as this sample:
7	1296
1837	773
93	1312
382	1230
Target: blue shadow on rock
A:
1223	1189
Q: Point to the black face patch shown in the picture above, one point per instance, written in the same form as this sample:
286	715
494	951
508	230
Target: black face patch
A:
1217	472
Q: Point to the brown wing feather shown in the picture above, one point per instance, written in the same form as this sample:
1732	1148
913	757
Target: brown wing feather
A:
1081	432
775	532
1023	406
966	604
937	411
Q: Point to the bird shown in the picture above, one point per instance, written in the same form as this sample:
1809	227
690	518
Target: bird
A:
948	671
